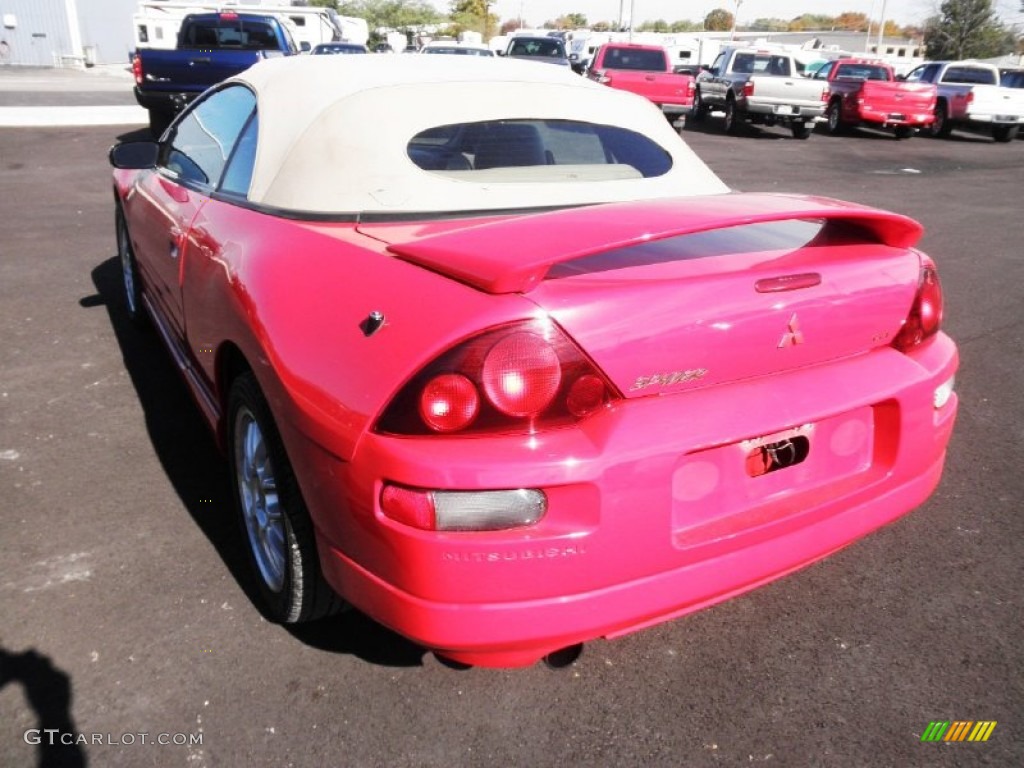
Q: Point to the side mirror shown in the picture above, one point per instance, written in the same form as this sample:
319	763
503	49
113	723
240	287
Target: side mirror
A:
901	77
134	155
305	47
500	53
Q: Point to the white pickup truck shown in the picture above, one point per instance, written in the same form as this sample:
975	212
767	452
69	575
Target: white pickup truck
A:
970	97
760	86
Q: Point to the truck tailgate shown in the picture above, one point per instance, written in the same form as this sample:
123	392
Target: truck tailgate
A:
192	69
898	97
659	87
783	92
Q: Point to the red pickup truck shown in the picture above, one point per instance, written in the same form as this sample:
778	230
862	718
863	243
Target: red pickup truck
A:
645	70
866	91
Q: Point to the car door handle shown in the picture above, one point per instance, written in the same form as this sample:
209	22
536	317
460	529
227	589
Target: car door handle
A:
199	60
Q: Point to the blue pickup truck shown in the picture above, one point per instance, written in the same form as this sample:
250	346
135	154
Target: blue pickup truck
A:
211	47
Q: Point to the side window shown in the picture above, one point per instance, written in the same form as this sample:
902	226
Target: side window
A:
716	68
238	175
201	142
779	66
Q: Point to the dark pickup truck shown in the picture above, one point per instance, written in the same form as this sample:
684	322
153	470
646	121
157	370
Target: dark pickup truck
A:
211	47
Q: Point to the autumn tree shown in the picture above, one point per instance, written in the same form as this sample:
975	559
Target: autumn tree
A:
719	20
768	25
851	22
603	26
659	25
684	26
966	29
473	15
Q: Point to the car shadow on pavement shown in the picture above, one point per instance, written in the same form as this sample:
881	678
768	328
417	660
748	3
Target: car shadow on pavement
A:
48	691
198	472
713	125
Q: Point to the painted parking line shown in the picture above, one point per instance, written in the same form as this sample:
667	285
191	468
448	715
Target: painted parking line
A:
42	117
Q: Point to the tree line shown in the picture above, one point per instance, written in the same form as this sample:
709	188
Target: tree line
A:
961	29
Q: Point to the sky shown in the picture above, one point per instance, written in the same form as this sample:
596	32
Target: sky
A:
903	12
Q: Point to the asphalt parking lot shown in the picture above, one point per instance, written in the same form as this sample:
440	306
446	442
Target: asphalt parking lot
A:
123	594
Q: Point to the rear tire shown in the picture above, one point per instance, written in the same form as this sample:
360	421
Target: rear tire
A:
732	118
699	111
1004	133
835	118
941	128
275	524
904	132
801	130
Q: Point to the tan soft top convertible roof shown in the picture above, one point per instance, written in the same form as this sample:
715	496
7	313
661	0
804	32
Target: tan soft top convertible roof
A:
334	132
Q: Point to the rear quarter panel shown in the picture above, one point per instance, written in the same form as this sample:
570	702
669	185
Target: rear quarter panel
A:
292	295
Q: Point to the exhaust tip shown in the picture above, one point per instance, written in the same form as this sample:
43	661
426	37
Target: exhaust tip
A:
564	657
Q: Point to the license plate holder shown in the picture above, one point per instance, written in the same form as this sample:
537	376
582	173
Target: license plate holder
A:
783	109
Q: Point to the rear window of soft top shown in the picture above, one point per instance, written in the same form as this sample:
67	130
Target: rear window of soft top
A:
532	150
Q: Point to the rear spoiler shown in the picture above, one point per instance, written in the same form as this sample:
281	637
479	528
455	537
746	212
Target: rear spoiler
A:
512	255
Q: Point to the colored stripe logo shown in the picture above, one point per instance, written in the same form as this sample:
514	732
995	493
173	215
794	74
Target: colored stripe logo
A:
958	730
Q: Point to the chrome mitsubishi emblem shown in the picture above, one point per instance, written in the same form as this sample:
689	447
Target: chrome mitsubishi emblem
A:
793	335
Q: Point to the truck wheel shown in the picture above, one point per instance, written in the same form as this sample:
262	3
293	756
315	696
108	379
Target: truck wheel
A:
699	110
941	128
1004	133
904	132
835	118
801	130
158	122
276	528
732	118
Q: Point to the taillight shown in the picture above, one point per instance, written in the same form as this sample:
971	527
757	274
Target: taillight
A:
925	316
435	510
691	87
970	97
449	402
137	69
521	377
748	88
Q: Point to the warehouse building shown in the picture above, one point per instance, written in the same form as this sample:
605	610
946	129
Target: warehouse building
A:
65	33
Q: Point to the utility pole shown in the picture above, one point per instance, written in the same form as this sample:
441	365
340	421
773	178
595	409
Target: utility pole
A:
881	30
732	32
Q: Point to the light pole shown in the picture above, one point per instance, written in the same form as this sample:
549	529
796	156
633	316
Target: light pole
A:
881	30
732	32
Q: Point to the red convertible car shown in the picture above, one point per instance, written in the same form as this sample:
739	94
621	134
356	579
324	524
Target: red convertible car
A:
497	360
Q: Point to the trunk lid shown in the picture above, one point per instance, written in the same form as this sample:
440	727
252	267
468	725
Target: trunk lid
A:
676	294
